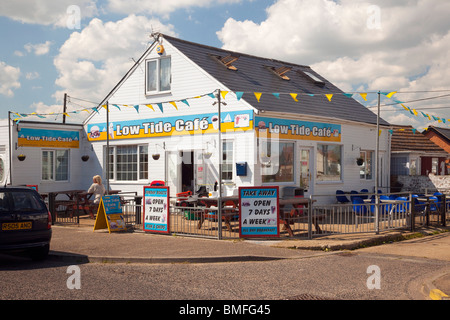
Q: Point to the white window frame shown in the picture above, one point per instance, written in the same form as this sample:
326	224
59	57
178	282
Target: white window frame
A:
53	176
227	161
158	76
364	155
113	170
322	179
274	161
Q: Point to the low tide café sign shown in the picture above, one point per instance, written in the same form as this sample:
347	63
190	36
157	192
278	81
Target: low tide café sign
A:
259	212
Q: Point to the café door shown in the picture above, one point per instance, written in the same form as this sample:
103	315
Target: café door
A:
306	169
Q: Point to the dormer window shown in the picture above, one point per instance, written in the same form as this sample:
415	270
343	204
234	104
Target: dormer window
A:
158	78
281	72
227	61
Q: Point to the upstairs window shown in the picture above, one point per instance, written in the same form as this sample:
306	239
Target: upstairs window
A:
158	75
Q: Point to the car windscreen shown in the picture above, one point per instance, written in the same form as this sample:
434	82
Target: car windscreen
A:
26	201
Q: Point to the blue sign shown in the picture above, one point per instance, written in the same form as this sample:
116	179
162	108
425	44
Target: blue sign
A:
258	212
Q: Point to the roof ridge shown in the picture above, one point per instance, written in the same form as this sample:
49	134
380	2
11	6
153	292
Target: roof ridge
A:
234	52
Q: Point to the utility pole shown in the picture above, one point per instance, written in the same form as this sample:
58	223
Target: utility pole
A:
65	108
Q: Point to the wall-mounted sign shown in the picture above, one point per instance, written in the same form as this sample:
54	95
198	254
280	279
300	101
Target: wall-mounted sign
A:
156	209
168	126
297	130
30	137
258	212
109	214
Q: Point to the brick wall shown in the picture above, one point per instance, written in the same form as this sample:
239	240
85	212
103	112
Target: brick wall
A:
419	184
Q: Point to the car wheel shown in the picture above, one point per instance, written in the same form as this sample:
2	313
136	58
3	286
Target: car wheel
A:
41	253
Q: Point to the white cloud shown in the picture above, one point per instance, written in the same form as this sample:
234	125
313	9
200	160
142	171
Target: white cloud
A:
39	48
369	45
93	60
9	79
46	12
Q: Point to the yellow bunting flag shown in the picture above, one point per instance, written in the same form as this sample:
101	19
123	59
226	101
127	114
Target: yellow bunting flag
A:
223	93
66	114
414	111
174	104
364	96
329	96
294	96
389	95
258	95
404	107
104	106
150	106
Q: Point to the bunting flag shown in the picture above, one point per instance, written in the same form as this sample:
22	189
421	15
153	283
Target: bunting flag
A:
174	104
239	95
294	96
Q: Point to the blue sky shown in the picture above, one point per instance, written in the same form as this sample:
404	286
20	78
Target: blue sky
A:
358	45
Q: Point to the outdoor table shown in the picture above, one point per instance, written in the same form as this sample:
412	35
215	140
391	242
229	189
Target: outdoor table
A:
427	202
227	213
288	217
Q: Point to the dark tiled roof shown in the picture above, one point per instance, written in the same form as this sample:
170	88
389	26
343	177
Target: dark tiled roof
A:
254	74
405	139
443	132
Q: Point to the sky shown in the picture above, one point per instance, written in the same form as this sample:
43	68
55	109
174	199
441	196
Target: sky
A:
84	47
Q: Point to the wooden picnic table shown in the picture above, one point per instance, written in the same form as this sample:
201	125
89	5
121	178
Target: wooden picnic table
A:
229	209
293	209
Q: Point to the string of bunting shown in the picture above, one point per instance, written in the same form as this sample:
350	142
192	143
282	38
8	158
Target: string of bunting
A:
239	95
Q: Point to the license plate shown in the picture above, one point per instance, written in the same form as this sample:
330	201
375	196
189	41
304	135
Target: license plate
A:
16	226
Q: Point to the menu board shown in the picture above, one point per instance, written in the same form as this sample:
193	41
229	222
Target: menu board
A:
258	212
156	209
109	214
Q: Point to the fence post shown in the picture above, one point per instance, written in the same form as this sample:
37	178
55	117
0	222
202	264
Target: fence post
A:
444	210
413	213
138	203
51	206
310	212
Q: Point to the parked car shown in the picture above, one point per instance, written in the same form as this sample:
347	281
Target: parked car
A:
25	222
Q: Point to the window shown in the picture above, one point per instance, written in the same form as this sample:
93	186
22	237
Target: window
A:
329	162
280	164
55	165
158	75
128	163
399	166
227	163
365	170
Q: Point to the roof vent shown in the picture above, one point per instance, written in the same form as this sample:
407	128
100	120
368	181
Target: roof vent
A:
281	72
227	61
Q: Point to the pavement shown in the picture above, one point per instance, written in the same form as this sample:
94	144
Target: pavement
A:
80	244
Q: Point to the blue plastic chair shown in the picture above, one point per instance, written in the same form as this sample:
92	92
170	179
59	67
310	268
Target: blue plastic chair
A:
420	206
359	206
403	208
340	197
354	194
363	195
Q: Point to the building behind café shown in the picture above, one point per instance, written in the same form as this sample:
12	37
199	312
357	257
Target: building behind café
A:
282	124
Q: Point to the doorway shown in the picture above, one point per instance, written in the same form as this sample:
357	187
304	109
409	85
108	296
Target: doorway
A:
180	175
305	169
